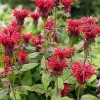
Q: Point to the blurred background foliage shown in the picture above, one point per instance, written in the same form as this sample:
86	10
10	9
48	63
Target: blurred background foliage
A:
79	8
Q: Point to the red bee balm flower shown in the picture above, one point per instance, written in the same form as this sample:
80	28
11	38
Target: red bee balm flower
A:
65	91
82	72
22	57
9	37
74	27
56	65
50	24
6	60
20	15
26	37
44	6
66	5
35	17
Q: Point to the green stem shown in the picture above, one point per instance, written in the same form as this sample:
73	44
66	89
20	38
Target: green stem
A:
78	94
57	86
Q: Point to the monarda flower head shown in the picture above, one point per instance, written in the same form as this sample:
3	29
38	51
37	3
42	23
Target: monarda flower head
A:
65	91
26	37
44	7
20	15
74	27
6	60
82	72
66	5
9	37
22	57
50	24
56	65
35	17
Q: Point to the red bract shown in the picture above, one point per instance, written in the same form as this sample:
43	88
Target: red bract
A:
50	24
56	65
74	27
82	72
61	53
90	32
6	60
65	91
26	37
6	70
55	38
66	5
44	7
20	15
35	17
9	37
22	56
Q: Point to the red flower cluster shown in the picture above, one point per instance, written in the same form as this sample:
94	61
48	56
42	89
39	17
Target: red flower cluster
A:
65	91
74	27
50	24
6	70
6	60
37	41
66	5
20	15
9	37
26	37
44	7
82	72
57	65
35	17
22	57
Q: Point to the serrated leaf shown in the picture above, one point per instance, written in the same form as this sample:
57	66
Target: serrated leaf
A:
66	98
29	66
55	97
3	93
46	80
88	97
92	79
60	83
38	88
33	55
27	79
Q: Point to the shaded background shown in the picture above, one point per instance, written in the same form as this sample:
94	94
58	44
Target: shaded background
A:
79	8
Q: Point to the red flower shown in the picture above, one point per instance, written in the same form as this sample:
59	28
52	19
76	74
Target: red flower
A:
74	27
6	60
61	53
6	70
55	38
37	42
44	7
9	37
65	91
26	37
66	5
22	56
50	24
82	72
90	31
20	15
56	65
35	17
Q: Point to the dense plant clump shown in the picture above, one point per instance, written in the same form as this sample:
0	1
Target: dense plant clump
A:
48	65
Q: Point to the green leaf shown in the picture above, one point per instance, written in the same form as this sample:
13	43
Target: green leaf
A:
55	97
60	38
66	74
46	80
31	96
92	79
43	62
3	93
60	83
33	55
88	97
66	98
27	79
38	88
29	66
